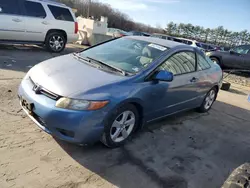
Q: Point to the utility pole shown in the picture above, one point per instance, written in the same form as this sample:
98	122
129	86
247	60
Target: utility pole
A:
89	3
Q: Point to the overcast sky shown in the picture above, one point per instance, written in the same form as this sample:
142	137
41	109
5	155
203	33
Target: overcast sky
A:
232	14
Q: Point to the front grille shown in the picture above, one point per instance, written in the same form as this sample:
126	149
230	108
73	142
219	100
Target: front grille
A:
44	91
49	94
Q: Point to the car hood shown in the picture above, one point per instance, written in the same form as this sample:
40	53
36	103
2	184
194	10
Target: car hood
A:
66	76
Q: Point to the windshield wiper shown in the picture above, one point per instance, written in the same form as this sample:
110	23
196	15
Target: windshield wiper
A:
124	73
89	60
80	57
86	60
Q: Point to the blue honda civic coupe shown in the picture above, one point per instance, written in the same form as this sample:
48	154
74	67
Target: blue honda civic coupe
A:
108	91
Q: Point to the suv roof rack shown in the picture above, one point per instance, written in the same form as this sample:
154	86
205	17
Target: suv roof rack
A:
52	1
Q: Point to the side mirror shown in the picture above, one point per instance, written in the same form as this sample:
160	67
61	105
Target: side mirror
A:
163	75
232	52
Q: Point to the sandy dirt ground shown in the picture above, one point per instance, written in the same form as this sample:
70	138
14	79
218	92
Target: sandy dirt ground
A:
187	150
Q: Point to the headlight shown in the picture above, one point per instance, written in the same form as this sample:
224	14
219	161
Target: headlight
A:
208	53
76	104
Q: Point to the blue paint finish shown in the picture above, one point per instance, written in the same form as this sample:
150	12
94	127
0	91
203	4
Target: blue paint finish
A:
248	98
69	77
164	76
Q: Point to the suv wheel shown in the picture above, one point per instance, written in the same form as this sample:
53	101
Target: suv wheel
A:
55	42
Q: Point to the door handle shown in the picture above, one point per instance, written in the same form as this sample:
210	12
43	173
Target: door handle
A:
45	23
194	79
16	20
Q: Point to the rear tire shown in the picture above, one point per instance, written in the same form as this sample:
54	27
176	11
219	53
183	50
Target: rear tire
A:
55	42
208	100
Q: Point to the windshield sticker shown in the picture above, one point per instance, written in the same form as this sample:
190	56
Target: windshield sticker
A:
136	69
156	46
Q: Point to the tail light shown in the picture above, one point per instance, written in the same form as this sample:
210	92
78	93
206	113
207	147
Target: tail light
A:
76	27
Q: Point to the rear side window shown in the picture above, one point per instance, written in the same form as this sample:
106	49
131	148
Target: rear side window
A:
177	40
60	13
34	9
9	7
198	44
203	64
180	63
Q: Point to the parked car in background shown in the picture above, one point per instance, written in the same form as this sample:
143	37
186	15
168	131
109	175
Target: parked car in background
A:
161	36
204	47
116	33
109	91
237	58
37	22
138	33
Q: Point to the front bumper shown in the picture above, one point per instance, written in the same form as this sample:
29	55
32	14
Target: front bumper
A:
80	127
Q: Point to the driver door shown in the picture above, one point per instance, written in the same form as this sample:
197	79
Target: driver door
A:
167	98
12	23
235	58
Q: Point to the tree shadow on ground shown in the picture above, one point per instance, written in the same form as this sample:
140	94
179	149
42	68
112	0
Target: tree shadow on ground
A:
186	150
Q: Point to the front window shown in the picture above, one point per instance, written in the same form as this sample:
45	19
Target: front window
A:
242	49
9	7
127	54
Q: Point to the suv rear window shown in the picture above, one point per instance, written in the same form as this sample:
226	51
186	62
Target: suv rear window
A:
60	13
34	9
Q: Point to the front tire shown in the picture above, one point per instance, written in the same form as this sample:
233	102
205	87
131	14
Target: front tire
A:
120	126
208	101
55	42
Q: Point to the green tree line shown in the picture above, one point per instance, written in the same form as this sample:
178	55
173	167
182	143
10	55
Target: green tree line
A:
218	36
117	19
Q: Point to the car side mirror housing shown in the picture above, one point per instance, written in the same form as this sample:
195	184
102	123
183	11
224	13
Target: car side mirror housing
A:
232	52
163	75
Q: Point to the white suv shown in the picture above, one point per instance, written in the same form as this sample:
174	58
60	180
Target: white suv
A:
40	22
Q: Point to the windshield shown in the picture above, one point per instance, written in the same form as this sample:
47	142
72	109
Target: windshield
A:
124	53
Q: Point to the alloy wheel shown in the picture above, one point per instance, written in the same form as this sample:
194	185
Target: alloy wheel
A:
56	42
122	126
209	99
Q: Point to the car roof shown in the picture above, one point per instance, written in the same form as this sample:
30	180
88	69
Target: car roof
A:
159	34
186	39
52	2
162	42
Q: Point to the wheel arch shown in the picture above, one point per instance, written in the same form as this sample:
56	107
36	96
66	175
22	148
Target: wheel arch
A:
138	103
218	58
217	89
57	30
